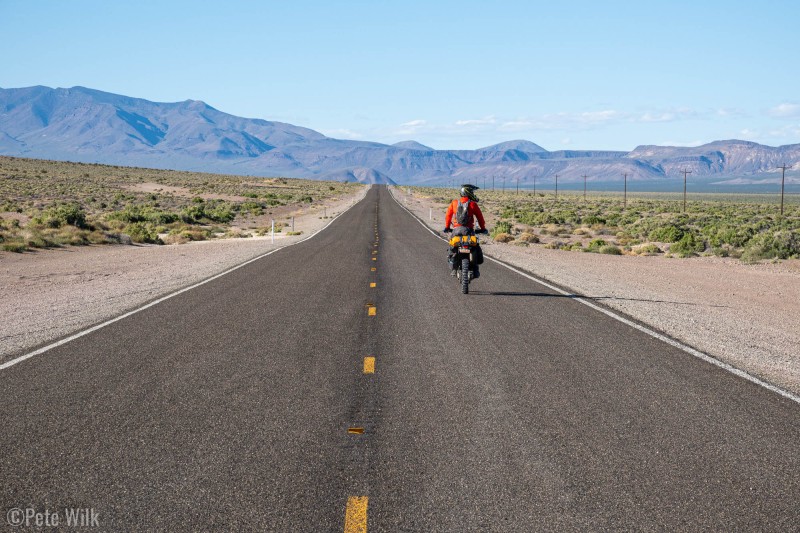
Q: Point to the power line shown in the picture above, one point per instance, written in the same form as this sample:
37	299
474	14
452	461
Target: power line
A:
625	194
685	172
783	179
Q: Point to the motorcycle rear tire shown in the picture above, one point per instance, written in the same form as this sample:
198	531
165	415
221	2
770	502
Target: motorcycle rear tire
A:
465	275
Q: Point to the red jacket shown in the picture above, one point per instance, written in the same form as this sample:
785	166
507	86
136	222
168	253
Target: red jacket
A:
473	212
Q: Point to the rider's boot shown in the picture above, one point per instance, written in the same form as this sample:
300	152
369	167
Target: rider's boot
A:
476	273
451	262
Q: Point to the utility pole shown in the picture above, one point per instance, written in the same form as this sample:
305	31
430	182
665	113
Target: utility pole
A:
783	179
534	185
625	194
517	184
584	187
556	186
685	172
492	183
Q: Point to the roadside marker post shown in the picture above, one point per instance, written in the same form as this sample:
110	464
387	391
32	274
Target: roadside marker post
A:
272	233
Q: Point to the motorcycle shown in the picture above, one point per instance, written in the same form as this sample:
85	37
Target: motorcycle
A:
465	255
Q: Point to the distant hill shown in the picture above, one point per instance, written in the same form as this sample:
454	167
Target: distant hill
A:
413	145
80	124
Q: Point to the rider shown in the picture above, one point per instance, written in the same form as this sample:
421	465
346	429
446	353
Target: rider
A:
469	202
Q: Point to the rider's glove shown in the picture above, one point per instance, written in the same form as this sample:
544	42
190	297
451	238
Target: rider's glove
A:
447	230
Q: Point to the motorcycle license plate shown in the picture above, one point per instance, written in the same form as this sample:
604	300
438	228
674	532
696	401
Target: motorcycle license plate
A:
464	249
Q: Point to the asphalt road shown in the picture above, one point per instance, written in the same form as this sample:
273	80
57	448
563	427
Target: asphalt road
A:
229	407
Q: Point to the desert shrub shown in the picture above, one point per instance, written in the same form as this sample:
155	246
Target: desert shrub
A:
593	219
647	249
667	233
558	245
595	245
16	247
138	213
503	237
220	212
609	249
143	232
687	246
736	236
528	237
500	228
71	214
781	244
253	208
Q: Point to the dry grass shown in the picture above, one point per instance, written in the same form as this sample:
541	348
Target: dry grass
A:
51	203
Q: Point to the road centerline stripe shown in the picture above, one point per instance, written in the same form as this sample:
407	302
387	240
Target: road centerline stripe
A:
369	365
355	517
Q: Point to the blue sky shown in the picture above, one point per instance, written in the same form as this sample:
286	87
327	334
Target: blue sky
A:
568	75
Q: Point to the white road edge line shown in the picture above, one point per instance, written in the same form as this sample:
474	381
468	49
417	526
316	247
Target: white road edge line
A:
672	342
81	333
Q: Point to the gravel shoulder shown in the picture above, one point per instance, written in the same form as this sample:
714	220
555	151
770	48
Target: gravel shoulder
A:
747	315
48	294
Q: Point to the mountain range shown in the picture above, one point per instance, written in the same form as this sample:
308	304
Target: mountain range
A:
87	125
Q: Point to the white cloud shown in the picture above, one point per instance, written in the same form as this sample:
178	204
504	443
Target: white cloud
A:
477	122
685	144
594	117
411	127
343	134
565	122
733	112
785	110
789	131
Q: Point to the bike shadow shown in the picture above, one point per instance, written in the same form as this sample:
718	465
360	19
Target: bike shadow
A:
585	297
511	293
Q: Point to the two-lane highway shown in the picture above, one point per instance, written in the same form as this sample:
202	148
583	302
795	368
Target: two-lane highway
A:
345	383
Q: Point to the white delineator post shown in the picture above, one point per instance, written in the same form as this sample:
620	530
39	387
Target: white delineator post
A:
273	231
430	213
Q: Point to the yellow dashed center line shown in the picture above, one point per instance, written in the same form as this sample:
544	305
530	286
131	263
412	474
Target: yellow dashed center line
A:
369	365
373	285
355	517
373	269
356	430
372	311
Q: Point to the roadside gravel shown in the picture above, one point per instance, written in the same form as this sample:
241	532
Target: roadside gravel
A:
745	315
48	294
